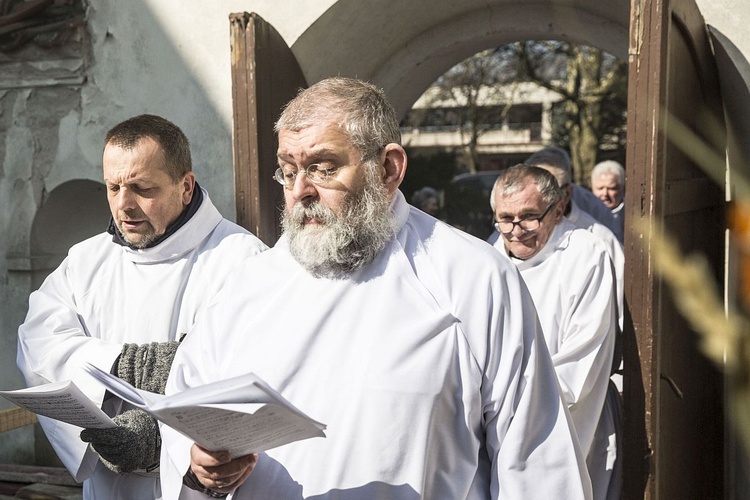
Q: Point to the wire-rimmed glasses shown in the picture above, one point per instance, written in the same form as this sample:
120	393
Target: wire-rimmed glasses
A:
528	224
316	172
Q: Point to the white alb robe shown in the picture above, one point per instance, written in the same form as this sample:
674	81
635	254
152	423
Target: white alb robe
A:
592	205
582	219
104	295
573	286
427	366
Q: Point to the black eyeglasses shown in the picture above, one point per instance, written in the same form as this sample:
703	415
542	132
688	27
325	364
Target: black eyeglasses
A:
528	224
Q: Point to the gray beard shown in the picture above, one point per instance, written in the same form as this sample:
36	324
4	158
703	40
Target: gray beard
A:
145	241
340	244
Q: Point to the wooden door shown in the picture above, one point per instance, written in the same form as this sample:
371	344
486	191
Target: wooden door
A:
674	419
265	76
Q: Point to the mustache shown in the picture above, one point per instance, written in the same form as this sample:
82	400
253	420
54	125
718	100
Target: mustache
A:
313	210
130	215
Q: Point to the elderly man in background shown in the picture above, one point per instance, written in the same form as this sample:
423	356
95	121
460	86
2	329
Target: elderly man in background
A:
557	161
571	279
122	300
608	184
428	367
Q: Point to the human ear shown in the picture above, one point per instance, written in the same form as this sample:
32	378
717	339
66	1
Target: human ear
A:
559	210
188	186
394	165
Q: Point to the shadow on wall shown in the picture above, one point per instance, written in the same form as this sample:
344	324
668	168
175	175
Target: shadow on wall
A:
73	211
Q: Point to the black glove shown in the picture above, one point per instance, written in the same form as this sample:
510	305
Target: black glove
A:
134	444
146	366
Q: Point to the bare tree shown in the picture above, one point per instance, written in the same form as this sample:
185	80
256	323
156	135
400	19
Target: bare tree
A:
478	88
477	94
594	90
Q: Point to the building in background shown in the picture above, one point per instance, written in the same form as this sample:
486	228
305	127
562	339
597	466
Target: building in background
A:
517	122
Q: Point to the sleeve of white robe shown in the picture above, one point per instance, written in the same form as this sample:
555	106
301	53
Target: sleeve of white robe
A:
529	431
617	255
530	437
53	345
53	342
193	358
584	358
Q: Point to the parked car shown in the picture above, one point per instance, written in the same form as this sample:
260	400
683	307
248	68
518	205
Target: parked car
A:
467	202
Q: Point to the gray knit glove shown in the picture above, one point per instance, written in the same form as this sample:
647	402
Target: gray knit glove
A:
134	444
147	366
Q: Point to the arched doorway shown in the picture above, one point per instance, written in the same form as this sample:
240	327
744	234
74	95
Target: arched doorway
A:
414	44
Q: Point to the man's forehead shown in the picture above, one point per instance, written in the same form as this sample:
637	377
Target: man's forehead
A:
321	151
523	199
324	138
144	158
606	179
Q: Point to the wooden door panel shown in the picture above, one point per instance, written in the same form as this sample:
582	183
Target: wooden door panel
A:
265	76
674	424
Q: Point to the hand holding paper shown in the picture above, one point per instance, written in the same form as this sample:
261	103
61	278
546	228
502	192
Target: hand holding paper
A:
241	415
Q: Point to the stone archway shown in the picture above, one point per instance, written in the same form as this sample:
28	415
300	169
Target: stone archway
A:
417	44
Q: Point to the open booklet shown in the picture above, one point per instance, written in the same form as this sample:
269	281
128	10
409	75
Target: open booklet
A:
240	415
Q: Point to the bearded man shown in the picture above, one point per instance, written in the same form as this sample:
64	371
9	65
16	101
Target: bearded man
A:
417	345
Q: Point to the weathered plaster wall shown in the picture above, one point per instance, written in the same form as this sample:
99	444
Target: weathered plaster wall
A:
731	17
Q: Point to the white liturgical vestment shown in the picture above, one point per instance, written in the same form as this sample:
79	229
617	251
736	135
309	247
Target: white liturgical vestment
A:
582	219
572	283
427	366
104	295
592	205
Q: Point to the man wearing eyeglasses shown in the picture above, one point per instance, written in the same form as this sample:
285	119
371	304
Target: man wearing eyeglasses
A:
585	211
571	279
417	345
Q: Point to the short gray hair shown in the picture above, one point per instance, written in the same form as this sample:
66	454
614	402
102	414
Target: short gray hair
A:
519	176
609	167
360	108
555	158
